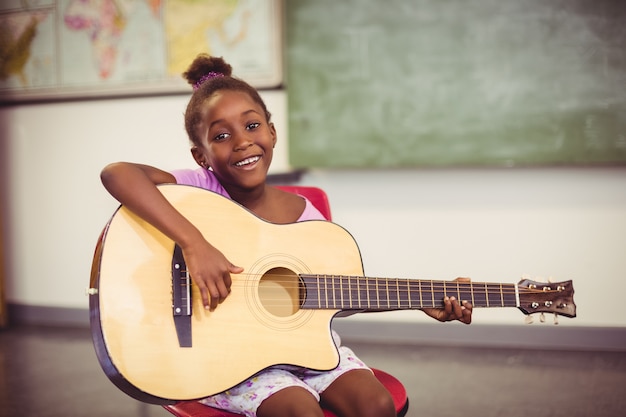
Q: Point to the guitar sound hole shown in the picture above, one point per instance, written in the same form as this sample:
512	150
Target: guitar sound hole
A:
281	292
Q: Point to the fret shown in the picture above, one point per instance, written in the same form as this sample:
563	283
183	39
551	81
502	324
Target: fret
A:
377	293
328	285
312	291
494	293
486	294
328	291
419	291
415	295
354	295
358	288
373	293
384	291
438	293
409	297
319	294
388	304
415	292
479	293
324	293
393	293
338	293
334	296
509	297
350	290
341	292
398	293
320	288
465	292
367	293
432	294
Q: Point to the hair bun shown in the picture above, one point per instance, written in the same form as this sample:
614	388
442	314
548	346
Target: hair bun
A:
203	65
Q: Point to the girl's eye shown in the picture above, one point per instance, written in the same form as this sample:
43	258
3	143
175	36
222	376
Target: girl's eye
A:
221	136
253	125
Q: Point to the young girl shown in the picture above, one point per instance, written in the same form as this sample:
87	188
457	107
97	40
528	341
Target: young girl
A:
232	140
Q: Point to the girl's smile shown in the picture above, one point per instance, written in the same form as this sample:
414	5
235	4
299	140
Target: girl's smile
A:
248	162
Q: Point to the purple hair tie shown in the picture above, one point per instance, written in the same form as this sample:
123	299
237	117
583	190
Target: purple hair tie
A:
207	76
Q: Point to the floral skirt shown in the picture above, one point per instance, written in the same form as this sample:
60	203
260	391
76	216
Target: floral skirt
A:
246	397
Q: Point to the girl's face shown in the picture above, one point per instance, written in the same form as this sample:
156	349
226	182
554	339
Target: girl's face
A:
237	140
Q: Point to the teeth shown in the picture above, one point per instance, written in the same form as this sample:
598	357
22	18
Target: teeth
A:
248	161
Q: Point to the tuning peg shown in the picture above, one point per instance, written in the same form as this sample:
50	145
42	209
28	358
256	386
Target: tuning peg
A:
529	319
556	319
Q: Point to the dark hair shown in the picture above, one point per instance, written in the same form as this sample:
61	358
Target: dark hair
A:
196	76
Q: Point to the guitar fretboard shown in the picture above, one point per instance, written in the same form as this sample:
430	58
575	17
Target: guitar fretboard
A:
360	293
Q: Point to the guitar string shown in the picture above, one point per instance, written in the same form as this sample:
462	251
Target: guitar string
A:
335	303
428	285
452	291
482	296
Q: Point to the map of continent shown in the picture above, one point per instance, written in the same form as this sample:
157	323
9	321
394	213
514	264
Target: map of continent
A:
51	48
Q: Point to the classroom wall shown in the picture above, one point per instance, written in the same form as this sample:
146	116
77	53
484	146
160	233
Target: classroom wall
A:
489	224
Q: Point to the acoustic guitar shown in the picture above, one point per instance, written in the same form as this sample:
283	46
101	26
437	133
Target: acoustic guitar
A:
157	343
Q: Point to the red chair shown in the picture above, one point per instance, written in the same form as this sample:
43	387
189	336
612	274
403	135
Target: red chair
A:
317	196
319	199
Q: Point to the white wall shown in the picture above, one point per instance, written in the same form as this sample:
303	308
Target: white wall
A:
489	224
492	225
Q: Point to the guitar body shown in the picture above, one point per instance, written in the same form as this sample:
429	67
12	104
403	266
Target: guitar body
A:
259	325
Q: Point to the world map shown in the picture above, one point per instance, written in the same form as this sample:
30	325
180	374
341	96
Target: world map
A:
56	48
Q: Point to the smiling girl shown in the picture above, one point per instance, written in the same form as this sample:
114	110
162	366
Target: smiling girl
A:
232	140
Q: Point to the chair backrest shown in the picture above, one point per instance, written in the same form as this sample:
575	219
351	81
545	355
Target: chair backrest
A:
317	196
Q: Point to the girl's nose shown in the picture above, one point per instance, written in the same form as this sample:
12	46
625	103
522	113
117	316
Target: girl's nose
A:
242	141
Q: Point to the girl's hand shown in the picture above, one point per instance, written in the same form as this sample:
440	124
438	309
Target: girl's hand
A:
453	309
210	270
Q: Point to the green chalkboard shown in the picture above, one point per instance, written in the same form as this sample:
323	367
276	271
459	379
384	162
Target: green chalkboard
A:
410	83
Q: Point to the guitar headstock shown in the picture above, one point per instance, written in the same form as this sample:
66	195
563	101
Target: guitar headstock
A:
544	297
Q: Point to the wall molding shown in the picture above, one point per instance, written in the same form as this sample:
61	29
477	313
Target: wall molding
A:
535	336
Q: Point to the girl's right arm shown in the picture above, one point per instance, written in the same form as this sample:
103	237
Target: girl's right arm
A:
134	186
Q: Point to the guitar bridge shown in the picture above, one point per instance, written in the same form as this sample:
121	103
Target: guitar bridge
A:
181	298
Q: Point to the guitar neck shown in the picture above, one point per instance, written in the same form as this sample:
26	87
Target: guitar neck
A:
364	293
